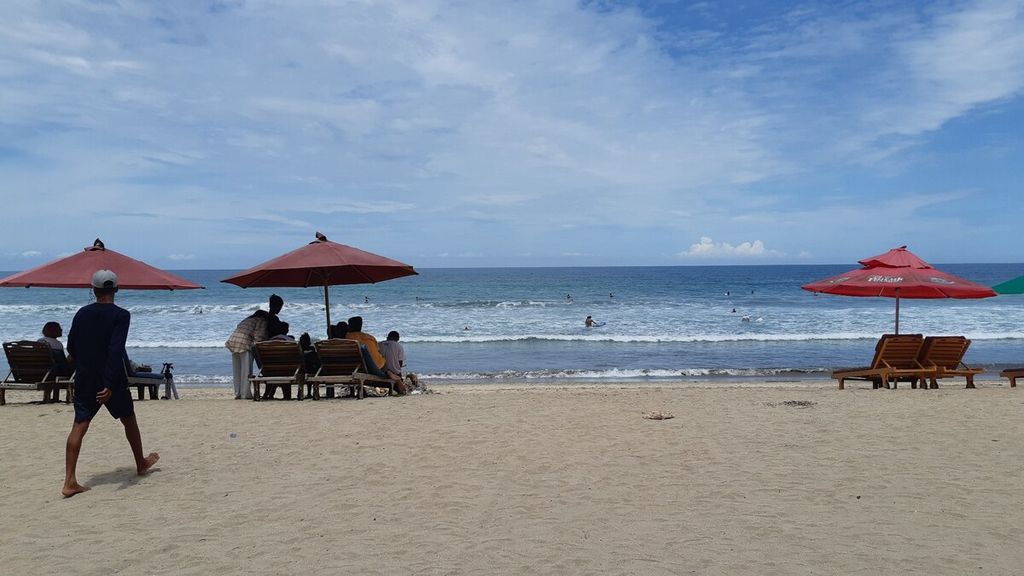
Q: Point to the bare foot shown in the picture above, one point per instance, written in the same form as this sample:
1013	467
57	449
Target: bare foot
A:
76	488
147	463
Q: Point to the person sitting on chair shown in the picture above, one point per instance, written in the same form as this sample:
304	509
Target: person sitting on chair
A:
355	332
136	370
310	360
278	332
394	362
341	330
61	366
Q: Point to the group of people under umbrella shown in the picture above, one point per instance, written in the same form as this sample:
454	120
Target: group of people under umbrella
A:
320	263
897	274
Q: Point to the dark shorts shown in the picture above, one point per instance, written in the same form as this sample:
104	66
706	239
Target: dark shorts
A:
119	405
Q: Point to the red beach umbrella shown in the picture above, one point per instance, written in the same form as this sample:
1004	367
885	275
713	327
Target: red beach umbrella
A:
897	274
321	263
76	271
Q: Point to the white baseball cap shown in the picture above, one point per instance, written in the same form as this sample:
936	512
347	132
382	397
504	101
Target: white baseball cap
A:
104	279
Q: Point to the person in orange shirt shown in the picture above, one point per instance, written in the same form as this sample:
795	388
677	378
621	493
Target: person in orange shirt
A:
355	332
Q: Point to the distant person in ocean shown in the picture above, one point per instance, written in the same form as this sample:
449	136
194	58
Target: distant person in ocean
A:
254	328
394	363
96	342
589	322
61	367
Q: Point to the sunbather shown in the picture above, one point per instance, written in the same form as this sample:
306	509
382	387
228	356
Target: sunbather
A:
394	361
61	366
341	330
355	332
279	332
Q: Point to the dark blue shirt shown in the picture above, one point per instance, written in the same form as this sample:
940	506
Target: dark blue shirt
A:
96	342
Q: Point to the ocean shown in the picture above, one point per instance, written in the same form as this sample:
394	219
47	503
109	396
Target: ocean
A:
724	323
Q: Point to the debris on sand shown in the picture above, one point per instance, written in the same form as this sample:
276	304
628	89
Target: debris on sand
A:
655	415
793	403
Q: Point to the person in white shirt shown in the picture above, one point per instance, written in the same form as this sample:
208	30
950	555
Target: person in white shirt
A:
394	362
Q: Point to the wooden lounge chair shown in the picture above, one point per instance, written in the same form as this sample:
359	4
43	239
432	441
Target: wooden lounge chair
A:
1012	374
341	364
945	356
33	368
896	358
281	364
142	383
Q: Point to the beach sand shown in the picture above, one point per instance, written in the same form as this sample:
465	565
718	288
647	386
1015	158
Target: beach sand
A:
530	480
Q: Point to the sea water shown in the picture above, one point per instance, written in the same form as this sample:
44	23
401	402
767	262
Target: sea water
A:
502	324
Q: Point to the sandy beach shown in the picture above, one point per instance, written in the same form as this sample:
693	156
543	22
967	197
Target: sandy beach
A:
528	479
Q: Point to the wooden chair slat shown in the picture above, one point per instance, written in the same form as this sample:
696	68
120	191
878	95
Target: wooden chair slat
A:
280	363
32	367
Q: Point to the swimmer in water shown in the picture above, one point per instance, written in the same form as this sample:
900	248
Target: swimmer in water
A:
745	319
589	322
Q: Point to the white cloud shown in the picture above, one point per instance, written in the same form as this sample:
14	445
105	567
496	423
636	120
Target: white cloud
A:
179	257
970	57
439	124
31	253
707	248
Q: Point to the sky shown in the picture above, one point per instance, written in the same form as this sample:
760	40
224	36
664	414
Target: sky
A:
221	133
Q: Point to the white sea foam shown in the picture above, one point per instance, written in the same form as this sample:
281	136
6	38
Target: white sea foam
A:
684	338
140	339
665	318
623	374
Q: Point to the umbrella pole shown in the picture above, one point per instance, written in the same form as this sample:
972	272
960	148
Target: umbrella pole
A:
897	311
327	306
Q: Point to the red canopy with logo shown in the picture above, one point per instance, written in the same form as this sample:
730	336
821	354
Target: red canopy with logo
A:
899	273
76	271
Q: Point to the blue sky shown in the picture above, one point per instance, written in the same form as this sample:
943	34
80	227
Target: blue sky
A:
448	133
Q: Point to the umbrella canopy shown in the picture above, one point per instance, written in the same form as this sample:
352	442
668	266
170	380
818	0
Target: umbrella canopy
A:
897	274
321	263
76	271
1015	286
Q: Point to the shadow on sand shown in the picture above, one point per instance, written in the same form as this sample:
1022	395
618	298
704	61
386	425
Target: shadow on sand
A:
126	477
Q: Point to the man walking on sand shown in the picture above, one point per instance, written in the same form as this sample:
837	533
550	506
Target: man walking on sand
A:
96	342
